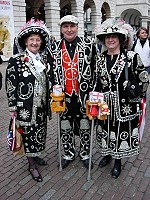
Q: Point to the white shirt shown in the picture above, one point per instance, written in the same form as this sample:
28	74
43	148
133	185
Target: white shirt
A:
144	52
36	60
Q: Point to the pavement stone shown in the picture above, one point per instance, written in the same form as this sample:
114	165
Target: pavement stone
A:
71	183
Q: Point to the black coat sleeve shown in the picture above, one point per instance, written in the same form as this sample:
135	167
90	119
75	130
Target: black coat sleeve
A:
11	83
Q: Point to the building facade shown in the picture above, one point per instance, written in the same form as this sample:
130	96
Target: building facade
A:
89	12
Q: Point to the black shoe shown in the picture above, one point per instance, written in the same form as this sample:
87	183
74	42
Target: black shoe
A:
115	172
65	163
86	163
36	178
40	161
105	160
117	168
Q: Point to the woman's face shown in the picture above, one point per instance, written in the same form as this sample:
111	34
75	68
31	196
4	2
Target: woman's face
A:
112	42
143	34
33	43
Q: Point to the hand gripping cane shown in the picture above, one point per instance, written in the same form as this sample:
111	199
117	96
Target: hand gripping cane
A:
58	105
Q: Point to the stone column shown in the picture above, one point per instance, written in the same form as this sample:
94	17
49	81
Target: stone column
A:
19	13
144	21
52	17
96	19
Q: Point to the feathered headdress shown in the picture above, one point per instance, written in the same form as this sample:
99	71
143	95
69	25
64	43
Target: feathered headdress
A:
116	26
130	35
33	27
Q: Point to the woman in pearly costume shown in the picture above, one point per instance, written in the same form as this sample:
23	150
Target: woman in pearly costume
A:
118	136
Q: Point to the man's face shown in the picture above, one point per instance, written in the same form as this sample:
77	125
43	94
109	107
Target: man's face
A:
69	31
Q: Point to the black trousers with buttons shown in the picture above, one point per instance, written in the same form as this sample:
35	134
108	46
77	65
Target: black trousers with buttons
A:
74	122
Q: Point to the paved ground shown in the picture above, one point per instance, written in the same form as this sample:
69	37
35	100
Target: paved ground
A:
71	183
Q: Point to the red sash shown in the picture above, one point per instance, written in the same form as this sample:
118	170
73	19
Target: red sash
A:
70	71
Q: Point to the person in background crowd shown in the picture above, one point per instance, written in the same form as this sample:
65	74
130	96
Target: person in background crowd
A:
118	136
26	88
52	39
72	71
142	47
98	47
15	48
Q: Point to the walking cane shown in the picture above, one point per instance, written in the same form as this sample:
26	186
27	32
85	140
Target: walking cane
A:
59	141
91	147
95	109
91	112
58	105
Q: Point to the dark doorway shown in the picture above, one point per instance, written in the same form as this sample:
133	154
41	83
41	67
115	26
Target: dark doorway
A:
36	12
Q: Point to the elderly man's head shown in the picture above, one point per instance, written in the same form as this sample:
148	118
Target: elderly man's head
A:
69	27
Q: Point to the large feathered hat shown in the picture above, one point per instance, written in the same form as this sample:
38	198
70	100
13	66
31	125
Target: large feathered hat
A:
33	27
115	26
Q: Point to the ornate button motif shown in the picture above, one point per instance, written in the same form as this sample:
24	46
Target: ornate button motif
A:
25	74
133	87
